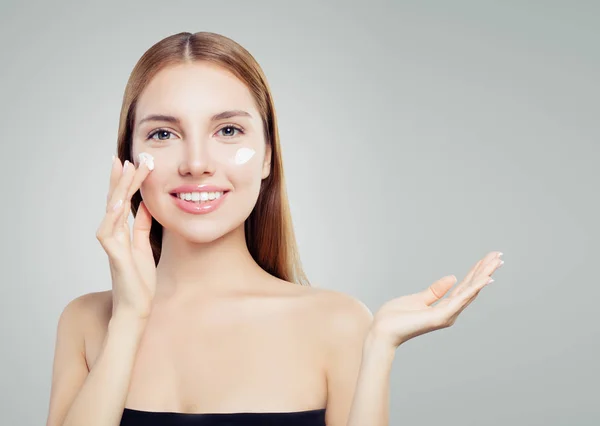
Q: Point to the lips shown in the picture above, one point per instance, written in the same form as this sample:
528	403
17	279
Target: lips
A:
199	208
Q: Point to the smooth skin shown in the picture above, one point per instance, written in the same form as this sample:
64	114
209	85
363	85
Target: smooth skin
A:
274	347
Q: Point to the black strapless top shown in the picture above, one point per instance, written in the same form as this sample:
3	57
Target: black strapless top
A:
133	417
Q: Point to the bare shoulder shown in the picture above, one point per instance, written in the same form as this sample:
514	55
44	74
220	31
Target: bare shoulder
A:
340	316
328	311
344	312
88	310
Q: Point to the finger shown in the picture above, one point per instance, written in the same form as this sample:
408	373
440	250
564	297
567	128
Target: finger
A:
451	311
141	174
475	271
112	225
115	174
470	274
467	279
491	267
109	223
438	289
471	299
141	228
123	219
121	224
122	186
470	295
452	306
479	281
489	258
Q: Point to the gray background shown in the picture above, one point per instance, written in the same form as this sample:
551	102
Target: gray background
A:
417	136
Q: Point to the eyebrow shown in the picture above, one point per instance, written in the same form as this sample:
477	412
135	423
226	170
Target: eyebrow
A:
170	119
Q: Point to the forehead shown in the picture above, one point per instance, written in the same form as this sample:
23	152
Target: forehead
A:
195	89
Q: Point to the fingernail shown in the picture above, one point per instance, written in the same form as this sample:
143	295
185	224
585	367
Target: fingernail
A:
117	204
491	280
144	157
125	165
501	263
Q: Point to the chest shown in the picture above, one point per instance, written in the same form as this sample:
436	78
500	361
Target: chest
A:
228	362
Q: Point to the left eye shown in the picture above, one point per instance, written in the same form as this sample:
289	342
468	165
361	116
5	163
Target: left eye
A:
231	130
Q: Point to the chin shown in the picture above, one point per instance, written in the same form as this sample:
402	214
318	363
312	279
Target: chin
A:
203	233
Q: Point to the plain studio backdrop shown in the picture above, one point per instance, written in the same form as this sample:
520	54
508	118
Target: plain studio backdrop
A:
416	137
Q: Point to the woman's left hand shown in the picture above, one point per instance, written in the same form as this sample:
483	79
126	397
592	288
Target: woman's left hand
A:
403	318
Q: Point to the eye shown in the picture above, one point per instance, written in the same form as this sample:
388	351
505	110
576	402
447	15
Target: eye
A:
159	132
231	130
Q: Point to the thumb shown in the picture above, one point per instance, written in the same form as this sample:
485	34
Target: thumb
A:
438	289
141	228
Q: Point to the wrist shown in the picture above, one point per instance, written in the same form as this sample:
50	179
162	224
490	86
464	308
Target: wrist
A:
127	320
376	345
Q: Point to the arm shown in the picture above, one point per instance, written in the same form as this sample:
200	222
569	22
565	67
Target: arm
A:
371	398
94	398
357	371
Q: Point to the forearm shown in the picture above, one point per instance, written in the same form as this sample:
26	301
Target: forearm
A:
101	400
370	405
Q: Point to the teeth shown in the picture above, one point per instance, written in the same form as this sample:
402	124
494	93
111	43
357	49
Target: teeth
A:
199	196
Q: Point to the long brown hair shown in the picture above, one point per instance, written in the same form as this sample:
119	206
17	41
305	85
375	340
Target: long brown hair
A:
269	232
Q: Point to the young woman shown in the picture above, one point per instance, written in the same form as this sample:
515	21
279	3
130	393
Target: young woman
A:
210	320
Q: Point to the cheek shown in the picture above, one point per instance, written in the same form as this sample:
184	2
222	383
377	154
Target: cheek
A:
245	168
148	186
155	182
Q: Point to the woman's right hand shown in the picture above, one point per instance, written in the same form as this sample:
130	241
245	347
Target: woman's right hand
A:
132	266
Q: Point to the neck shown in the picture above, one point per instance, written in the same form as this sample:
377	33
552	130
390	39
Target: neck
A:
223	266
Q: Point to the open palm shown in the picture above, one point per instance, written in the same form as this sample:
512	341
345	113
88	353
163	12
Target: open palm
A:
403	318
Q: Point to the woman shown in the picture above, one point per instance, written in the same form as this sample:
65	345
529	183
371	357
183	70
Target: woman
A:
210	319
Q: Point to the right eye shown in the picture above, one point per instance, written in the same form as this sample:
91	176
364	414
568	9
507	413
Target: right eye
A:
159	132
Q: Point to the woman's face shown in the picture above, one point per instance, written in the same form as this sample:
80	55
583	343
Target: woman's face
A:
198	147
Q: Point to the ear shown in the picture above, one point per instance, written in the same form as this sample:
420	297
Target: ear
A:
266	171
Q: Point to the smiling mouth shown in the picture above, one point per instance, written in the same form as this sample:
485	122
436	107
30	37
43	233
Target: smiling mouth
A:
199	197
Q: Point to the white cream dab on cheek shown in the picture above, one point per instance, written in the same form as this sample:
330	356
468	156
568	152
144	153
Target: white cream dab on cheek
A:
147	158
243	155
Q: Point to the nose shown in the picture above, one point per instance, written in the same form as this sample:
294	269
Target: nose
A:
197	159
